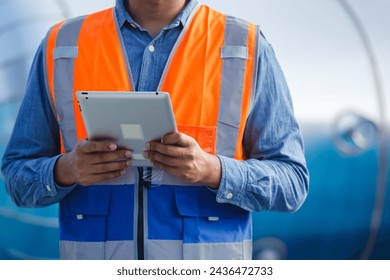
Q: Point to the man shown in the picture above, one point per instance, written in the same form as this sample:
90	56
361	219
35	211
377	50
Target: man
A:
239	148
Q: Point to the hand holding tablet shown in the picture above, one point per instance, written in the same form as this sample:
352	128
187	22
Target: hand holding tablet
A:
129	119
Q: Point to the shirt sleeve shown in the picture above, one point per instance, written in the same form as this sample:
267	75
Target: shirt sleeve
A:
33	149
274	176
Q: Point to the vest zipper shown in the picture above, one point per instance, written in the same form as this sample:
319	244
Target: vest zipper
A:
140	217
142	184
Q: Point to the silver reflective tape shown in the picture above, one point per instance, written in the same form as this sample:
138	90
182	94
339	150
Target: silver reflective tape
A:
110	250
73	250
233	74
119	250
255	67
234	52
65	52
157	250
67	38
227	137
218	251
165	250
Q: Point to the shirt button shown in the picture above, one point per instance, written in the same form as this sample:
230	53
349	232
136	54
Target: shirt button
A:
151	48
48	188
229	196
133	25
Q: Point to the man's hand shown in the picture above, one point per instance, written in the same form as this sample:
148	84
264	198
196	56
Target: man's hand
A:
180	155
91	162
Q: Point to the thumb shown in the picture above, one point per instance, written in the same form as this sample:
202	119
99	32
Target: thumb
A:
178	139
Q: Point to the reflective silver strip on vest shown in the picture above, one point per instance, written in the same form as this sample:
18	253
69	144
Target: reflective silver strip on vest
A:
234	54
175	249
64	54
157	250
255	67
165	250
218	251
110	250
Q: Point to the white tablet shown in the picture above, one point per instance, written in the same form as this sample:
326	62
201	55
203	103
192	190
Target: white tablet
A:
129	119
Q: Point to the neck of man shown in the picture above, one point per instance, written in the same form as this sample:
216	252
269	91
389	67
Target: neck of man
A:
154	15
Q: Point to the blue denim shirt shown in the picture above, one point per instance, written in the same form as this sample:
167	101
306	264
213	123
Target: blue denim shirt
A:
274	177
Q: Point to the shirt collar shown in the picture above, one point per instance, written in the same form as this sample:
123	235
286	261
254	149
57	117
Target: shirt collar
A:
123	16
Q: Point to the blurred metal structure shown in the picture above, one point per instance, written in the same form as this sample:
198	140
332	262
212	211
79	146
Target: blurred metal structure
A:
382	177
334	54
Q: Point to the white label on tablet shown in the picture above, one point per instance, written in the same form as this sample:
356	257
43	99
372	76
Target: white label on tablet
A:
132	131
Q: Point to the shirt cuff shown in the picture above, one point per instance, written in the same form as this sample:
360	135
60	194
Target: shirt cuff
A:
53	192
233	181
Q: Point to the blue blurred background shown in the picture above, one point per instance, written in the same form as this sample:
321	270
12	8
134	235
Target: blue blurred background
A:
335	57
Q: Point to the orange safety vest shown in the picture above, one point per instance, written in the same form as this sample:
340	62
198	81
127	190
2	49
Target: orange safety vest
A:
195	68
210	76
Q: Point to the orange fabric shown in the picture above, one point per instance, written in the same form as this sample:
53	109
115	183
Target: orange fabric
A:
196	107
206	136
197	63
100	64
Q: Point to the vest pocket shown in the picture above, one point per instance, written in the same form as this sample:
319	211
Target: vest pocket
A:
83	217
205	136
211	230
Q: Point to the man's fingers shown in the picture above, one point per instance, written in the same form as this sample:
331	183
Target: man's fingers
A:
94	152
158	157
104	157
88	147
111	166
178	139
174	145
172	151
101	177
